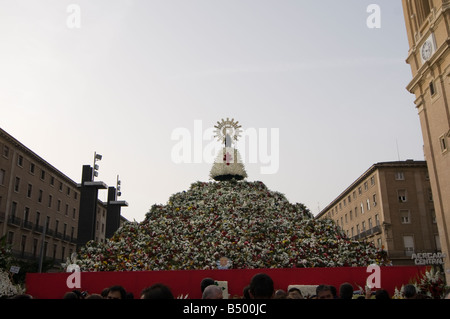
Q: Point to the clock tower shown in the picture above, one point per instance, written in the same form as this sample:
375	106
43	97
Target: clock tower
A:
428	30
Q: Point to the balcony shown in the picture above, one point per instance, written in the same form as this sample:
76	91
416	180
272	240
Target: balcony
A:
27	225
14	221
366	233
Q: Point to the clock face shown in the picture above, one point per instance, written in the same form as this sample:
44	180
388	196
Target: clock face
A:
426	50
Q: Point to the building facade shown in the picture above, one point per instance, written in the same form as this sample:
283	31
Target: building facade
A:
391	205
428	32
40	206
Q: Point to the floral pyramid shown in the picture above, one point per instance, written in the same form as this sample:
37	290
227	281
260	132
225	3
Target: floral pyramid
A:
243	221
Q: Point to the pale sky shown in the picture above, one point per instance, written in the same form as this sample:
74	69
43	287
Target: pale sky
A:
120	77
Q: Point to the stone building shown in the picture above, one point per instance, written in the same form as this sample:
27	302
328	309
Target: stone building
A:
391	204
427	29
40	206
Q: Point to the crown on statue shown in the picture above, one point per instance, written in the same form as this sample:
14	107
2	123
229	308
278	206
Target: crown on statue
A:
228	132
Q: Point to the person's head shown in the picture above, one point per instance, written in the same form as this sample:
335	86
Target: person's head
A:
245	294
294	293
261	287
212	292
382	294
206	282
333	291
116	292
94	296
346	291
157	291
70	295
280	294
105	292
409	291
324	292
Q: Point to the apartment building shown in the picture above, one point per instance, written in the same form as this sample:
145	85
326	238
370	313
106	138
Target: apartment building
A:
40	206
391	204
38	203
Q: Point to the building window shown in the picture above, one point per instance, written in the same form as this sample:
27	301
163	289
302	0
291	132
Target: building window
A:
55	247
366	186
380	246
52	180
50	199
356	212
443	144
20	161
38	216
433	216
5	151
47	223
17	184
10	239
399	176
362	208
363	225
2	176
35	245
374	198
423	9
438	242
29	190
26	214
405	217
432	89
402	198
372	180
351	215
368	204
41	193
32	168
42	174
359	190
13	210
370	223
377	220
408	242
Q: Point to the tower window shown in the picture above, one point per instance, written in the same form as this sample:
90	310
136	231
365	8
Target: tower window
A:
423	9
443	143
432	89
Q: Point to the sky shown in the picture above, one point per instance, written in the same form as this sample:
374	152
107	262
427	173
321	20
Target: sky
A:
319	88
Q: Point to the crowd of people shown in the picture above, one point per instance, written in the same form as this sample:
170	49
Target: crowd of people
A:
261	286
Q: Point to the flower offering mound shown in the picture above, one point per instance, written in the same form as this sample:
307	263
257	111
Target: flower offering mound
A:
243	221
